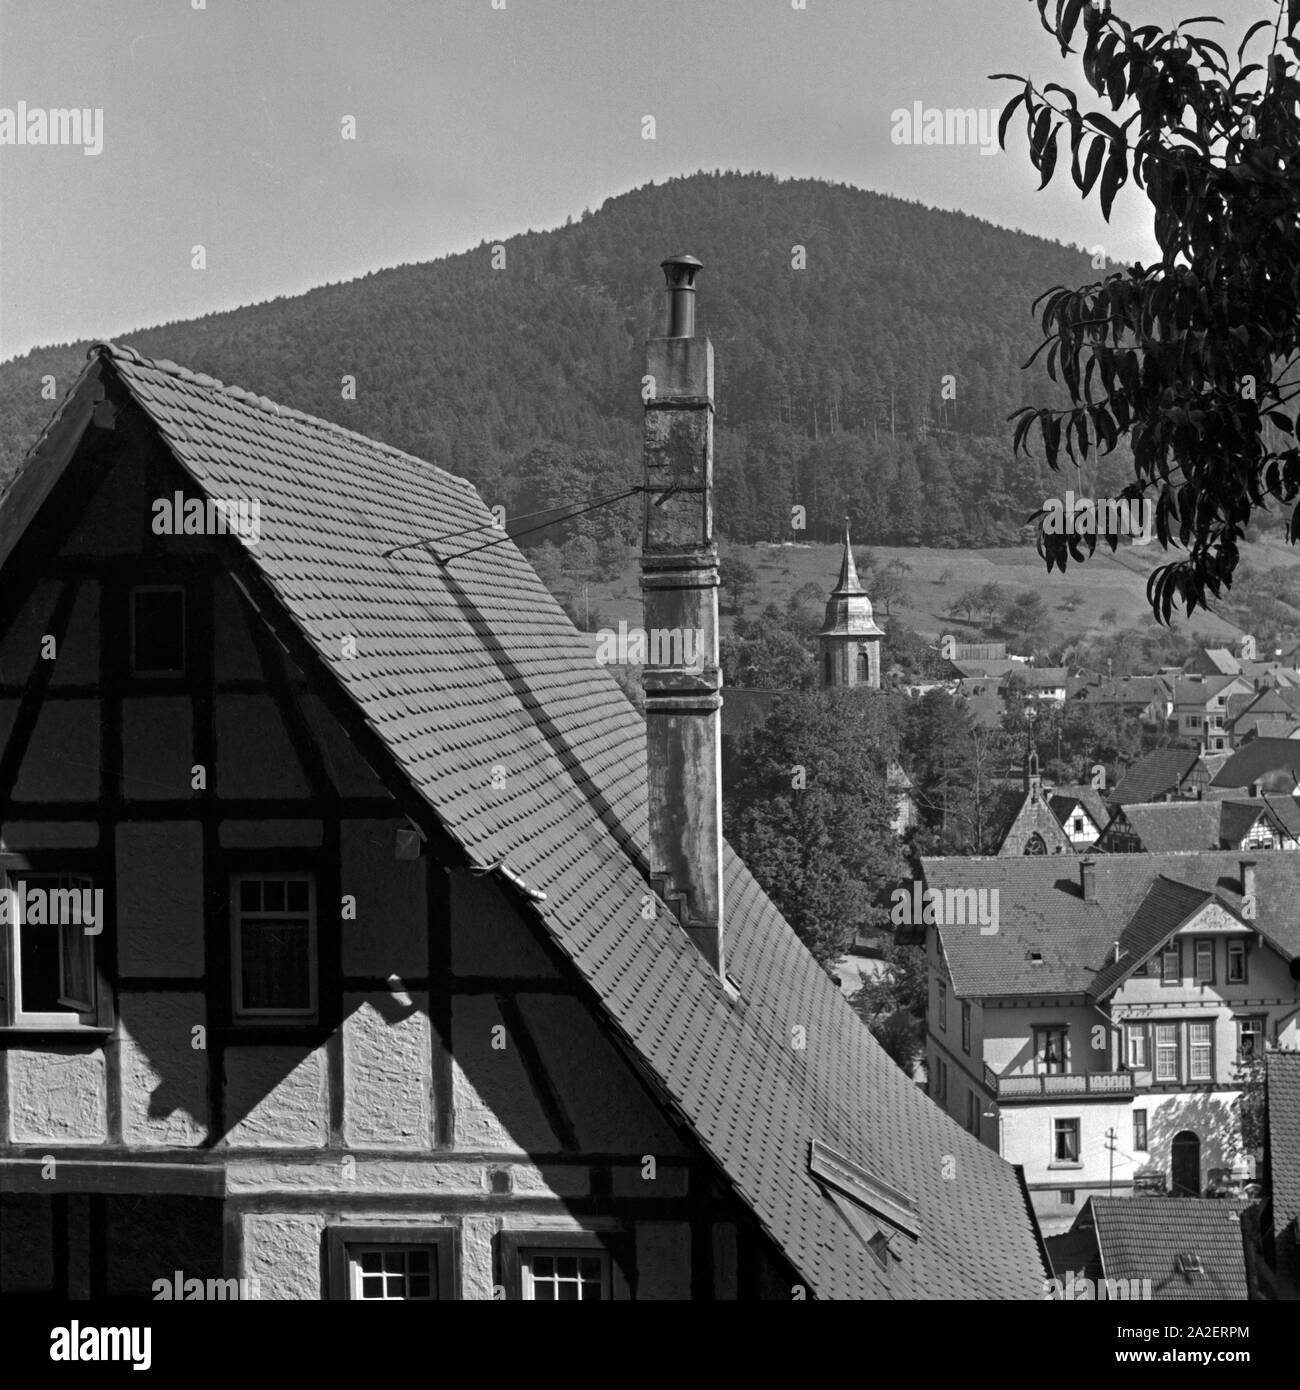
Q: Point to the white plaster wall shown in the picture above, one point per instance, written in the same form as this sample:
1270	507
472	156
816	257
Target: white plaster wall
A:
162	1070
57	1097
158	749
160	898
283	1253
389	935
387	1072
284	1093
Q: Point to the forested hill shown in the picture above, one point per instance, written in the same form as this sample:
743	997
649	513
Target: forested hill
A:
526	378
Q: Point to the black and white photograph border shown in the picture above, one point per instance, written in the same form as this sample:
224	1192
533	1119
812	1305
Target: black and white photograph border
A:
650	652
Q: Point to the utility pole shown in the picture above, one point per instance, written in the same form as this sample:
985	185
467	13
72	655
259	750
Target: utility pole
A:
1110	1145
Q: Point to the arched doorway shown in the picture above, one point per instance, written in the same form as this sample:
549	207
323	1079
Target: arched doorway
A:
1185	1164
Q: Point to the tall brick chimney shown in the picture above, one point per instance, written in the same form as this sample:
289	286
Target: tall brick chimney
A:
679	584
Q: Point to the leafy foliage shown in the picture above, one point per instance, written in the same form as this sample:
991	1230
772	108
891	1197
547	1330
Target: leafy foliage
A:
1191	360
807	807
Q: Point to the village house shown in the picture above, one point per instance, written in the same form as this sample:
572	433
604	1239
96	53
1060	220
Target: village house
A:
1221	823
1164	774
1080	811
1271	713
1201	706
1262	765
1023	821
1140	1248
424	971
1093	1035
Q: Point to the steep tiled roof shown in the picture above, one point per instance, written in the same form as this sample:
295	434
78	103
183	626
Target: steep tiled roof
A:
1041	909
1174	825
468	665
1154	774
1284	1136
1257	760
1167	905
1143	1238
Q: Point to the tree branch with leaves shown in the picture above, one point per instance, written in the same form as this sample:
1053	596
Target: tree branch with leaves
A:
1191	358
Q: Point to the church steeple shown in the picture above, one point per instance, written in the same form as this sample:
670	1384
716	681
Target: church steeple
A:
849	642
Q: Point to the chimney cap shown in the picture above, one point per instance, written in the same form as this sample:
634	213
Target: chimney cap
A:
680	271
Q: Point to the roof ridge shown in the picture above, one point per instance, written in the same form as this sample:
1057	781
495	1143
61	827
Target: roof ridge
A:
105	347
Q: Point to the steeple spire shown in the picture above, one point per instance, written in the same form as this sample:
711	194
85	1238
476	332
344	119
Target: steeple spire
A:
849	582
849	639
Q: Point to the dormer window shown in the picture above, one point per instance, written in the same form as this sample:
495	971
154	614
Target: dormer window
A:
158	630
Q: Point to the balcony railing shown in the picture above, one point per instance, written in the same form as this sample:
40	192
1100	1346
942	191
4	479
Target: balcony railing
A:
1091	1083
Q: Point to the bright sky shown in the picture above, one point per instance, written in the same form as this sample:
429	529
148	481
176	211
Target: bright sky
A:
222	127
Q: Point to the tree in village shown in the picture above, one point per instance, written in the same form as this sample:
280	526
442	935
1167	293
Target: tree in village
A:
1192	358
892	1004
763	654
807	807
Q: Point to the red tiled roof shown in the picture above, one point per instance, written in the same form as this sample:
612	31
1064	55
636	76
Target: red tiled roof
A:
1143	1238
470	665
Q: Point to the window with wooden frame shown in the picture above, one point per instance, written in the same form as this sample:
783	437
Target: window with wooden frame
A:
1251	1030
1200	1051
1205	962
50	925
942	1009
1237	963
1166	1049
965	1025
562	1266
273	947
391	1264
1051	1051
1171	964
1140	1131
1065	1140
1136	1055
157	619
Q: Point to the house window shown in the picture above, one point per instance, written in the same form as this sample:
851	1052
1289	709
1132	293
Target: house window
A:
564	1276
1200	1052
158	630
1205	962
826	669
1065	1145
1135	1046
1067	1196
1236	962
1050	1051
1140	1131
1171	964
965	1025
943	1007
562	1268
1078	825
396	1264
972	1112
52	922
273	948
1250	1036
941	1081
864	668
1166	1048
